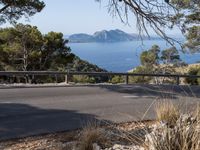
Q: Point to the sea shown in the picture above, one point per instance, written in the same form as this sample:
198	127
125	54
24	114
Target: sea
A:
123	56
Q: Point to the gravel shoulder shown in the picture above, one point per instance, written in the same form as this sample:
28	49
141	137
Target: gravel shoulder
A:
70	140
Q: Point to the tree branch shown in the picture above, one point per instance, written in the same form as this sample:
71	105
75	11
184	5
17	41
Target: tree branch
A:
4	8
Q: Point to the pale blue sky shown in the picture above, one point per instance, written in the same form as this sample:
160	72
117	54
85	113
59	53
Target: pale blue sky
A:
78	16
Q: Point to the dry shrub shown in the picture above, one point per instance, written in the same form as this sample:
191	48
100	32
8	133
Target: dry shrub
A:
91	134
182	138
167	112
183	135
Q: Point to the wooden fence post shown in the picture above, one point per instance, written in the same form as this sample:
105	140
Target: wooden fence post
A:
177	80
126	79
67	77
56	77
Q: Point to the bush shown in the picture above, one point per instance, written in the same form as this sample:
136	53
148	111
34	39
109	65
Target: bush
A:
193	71
183	135
83	79
140	79
117	79
91	134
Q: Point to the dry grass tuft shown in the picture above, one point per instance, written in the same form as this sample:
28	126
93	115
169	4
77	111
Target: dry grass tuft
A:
196	113
167	112
183	135
91	134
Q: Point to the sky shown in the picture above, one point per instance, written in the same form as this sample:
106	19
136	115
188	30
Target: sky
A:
79	16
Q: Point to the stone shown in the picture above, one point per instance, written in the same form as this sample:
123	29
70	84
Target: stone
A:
70	145
96	147
124	147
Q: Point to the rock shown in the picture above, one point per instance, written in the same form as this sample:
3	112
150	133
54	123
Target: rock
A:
70	145
185	119
96	147
123	147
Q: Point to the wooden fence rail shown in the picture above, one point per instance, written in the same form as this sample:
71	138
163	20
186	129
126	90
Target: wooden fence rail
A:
67	74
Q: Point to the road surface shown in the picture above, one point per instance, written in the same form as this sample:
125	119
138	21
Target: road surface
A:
31	111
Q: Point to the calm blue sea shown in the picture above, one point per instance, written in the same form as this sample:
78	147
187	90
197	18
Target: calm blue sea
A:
121	56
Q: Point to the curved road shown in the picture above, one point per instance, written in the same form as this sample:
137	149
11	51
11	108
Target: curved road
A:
31	111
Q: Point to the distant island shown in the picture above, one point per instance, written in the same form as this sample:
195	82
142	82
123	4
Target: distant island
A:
106	36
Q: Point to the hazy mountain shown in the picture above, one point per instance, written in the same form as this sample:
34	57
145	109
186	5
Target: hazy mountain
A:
81	38
113	36
104	36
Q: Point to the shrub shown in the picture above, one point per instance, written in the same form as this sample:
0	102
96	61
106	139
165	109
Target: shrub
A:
183	135
83	79
117	79
193	71
140	79
91	134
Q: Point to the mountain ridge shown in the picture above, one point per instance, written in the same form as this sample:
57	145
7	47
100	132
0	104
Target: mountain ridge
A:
105	36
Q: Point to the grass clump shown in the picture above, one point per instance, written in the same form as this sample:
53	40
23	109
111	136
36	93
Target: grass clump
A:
91	134
183	135
167	112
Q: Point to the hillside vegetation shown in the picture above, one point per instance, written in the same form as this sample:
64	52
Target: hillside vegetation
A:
25	48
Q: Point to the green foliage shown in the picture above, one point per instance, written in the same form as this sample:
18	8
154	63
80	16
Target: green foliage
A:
188	19
12	10
140	79
150	57
170	56
117	79
1	67
24	48
55	53
149	60
20	45
193	38
83	79
193	71
84	66
156	61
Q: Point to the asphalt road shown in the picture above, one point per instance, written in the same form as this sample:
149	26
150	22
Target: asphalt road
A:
31	111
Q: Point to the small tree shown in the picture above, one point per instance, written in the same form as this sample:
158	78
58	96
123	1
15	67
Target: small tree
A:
150	57
170	56
55	53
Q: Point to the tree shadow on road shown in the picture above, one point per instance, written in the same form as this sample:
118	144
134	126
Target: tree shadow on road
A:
162	91
21	120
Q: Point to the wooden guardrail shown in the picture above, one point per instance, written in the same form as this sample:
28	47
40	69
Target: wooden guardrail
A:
67	74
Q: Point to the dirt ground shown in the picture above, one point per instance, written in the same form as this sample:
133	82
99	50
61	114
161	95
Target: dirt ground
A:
115	134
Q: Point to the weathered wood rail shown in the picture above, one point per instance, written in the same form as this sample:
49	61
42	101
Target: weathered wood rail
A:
67	74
